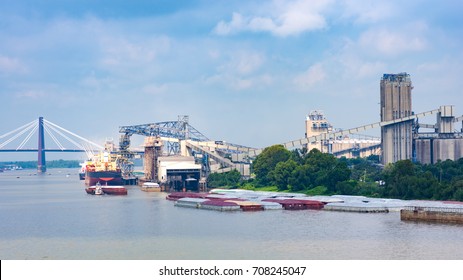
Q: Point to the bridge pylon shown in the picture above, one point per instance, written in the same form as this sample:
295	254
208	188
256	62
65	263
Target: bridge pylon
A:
41	162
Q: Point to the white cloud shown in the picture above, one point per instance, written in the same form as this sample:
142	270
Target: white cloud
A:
155	89
368	11
262	24
240	71
354	64
309	78
394	42
94	84
367	69
286	18
239	83
126	51
235	25
245	63
441	76
11	65
32	94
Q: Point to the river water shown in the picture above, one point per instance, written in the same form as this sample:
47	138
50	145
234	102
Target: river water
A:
50	216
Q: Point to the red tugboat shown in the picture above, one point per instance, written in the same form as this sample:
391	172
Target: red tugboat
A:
114	190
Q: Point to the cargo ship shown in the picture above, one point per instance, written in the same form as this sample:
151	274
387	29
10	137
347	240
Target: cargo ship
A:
103	169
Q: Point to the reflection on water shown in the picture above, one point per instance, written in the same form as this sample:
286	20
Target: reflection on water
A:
51	217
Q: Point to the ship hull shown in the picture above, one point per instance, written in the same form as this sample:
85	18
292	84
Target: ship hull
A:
109	178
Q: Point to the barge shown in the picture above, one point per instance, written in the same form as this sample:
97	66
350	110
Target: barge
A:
150	187
220	205
297	204
432	214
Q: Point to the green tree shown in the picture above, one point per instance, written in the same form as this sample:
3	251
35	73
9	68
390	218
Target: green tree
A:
266	162
283	173
346	187
298	155
233	177
458	195
301	179
227	179
316	172
364	170
398	176
326	170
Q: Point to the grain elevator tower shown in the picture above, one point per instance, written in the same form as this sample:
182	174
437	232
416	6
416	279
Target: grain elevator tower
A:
316	124
396	103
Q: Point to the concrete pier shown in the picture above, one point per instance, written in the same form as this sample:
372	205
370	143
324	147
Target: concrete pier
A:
432	214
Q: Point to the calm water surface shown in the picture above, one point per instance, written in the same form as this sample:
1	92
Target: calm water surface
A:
51	217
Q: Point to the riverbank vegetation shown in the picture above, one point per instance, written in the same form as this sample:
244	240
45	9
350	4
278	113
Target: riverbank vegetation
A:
316	173
33	164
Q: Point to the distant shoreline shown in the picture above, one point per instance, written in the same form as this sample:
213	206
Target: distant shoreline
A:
18	165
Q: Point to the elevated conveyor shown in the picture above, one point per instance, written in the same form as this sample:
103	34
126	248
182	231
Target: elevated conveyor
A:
346	151
215	151
213	155
334	135
223	146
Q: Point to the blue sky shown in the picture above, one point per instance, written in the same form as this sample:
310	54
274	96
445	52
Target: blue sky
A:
247	72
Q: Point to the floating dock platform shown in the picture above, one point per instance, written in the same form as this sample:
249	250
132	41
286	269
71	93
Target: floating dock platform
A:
432	214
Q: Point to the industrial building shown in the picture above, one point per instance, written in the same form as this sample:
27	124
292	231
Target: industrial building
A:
396	103
443	142
401	130
179	157
349	146
316	124
401	138
174	173
179	173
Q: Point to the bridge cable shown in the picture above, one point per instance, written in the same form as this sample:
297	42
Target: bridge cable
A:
57	142
67	138
33	130
31	125
73	134
88	151
19	128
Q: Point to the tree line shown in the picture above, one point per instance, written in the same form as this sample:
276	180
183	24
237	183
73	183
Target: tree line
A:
33	164
317	173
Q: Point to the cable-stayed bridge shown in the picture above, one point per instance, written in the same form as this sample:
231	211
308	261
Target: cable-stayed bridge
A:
19	140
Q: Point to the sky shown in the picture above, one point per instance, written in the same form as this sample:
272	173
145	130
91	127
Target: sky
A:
246	72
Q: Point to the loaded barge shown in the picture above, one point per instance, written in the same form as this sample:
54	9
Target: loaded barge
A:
225	202
246	200
432	214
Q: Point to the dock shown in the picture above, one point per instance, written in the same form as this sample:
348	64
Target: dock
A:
432	214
